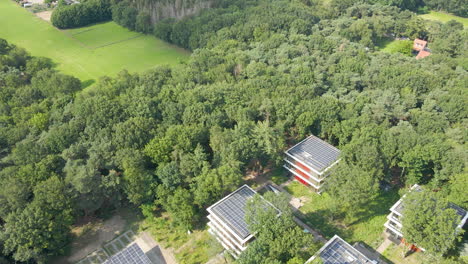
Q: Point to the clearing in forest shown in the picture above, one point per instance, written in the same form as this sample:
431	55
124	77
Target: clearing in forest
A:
88	52
444	17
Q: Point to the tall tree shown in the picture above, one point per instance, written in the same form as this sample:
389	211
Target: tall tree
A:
278	238
429	222
41	229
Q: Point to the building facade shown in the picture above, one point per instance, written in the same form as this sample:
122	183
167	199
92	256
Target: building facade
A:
227	220
310	161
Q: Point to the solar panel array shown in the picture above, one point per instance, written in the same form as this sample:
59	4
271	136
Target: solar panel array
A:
231	210
460	211
130	255
340	252
315	152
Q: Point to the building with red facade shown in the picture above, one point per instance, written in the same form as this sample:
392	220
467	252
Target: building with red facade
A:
310	161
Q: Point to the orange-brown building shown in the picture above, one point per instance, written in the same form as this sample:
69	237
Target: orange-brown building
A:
421	46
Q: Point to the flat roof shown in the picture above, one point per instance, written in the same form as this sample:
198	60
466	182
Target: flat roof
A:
129	255
338	251
315	152
231	210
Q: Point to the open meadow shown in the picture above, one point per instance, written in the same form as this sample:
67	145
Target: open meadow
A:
444	17
88	52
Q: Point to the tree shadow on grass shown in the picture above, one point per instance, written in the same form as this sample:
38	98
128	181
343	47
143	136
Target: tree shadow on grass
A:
370	252
379	206
322	222
87	83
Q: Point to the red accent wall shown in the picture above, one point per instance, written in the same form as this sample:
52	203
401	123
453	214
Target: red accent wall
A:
412	247
302	166
301	180
302	173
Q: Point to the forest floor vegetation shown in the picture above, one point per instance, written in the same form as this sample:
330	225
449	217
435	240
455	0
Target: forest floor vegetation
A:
92	234
197	247
320	212
394	253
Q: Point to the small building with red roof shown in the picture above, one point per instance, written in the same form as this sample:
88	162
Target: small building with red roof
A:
420	46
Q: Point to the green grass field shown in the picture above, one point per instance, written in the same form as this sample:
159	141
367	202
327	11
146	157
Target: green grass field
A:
444	17
395	46
89	52
367	227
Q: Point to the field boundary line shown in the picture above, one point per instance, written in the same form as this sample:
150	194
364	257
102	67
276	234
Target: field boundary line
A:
116	42
75	39
83	31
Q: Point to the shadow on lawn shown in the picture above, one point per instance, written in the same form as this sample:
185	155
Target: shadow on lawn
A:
87	83
379	206
321	221
371	253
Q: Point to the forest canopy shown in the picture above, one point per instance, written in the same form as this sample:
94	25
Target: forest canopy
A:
263	75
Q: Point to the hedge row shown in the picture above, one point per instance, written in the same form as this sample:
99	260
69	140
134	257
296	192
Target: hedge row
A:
83	14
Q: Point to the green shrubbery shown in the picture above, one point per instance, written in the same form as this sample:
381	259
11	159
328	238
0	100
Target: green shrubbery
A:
128	16
79	15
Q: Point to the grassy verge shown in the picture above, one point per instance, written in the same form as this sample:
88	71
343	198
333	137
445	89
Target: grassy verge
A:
319	212
395	253
444	17
102	49
279	175
197	247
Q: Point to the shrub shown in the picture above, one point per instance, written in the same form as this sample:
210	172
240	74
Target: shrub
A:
401	46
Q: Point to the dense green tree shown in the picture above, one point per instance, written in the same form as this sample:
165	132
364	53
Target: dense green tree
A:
143	22
429	222
179	204
278	238
352	186
41	229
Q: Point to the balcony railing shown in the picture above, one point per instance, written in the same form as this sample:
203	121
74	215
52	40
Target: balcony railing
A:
303	168
306	176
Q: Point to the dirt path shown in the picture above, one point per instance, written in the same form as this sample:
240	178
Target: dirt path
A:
155	252
45	15
218	259
88	242
384	245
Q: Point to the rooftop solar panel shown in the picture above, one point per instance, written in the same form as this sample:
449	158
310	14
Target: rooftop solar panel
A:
130	255
338	251
231	210
315	152
460	211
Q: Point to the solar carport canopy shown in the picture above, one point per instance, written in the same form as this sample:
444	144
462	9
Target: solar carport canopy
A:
129	255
